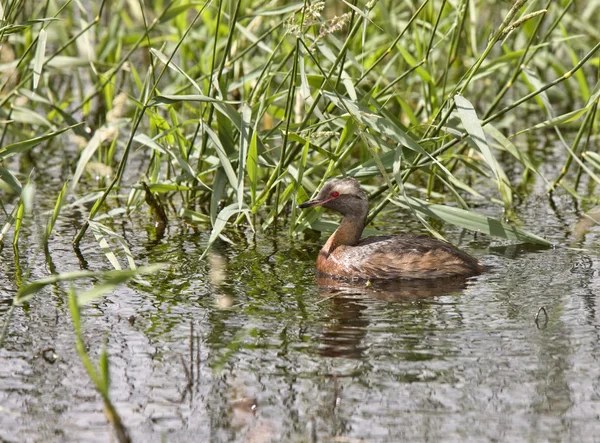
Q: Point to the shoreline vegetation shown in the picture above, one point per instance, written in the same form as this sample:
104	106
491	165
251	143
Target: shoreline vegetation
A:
229	113
242	109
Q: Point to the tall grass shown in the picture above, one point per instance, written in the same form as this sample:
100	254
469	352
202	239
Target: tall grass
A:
229	112
240	109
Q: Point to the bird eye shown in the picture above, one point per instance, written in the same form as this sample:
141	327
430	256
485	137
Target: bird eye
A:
335	194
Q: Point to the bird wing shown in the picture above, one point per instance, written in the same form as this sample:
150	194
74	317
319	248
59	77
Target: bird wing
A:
410	256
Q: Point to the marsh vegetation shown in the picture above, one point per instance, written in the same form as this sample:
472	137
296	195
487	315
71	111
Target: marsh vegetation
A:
141	140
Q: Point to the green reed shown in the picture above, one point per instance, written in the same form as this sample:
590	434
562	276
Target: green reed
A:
240	109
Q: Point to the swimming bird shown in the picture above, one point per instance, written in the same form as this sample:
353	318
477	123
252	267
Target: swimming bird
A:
408	256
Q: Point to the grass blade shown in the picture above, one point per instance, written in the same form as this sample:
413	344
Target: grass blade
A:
38	59
471	122
60	200
470	220
24	146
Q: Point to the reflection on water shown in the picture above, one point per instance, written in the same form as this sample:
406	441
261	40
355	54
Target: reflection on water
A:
250	345
345	325
391	290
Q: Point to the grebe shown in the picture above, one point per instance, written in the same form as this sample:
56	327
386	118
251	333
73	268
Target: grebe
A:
387	257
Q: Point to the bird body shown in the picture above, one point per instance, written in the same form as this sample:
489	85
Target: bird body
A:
410	256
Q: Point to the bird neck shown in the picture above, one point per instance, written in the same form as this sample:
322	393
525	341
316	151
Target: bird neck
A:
347	234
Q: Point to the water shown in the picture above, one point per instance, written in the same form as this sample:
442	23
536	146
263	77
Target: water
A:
248	346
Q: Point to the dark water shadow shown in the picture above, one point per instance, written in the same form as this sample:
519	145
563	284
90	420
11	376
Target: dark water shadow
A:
345	323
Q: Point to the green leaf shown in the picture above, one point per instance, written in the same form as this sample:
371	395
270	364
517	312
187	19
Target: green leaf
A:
177	10
170	99
521	157
469	220
100	136
77	127
12	181
29	116
172	65
387	128
220	222
471	122
592	158
165	187
99	231
59	203
20	147
243	152
222	154
252	165
27	291
38	59
194	216
278	11
184	164
104	372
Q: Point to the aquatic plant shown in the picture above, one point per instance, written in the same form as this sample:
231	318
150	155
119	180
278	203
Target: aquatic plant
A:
235	110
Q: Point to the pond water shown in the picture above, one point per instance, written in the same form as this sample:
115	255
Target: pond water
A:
248	346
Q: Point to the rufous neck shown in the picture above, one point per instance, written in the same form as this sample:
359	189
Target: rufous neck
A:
347	234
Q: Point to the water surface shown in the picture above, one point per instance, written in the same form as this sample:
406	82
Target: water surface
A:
249	346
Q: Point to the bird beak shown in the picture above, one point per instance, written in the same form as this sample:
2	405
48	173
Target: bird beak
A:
314	202
311	203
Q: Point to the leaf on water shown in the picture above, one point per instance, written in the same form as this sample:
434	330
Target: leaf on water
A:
470	220
27	291
109	282
104	246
